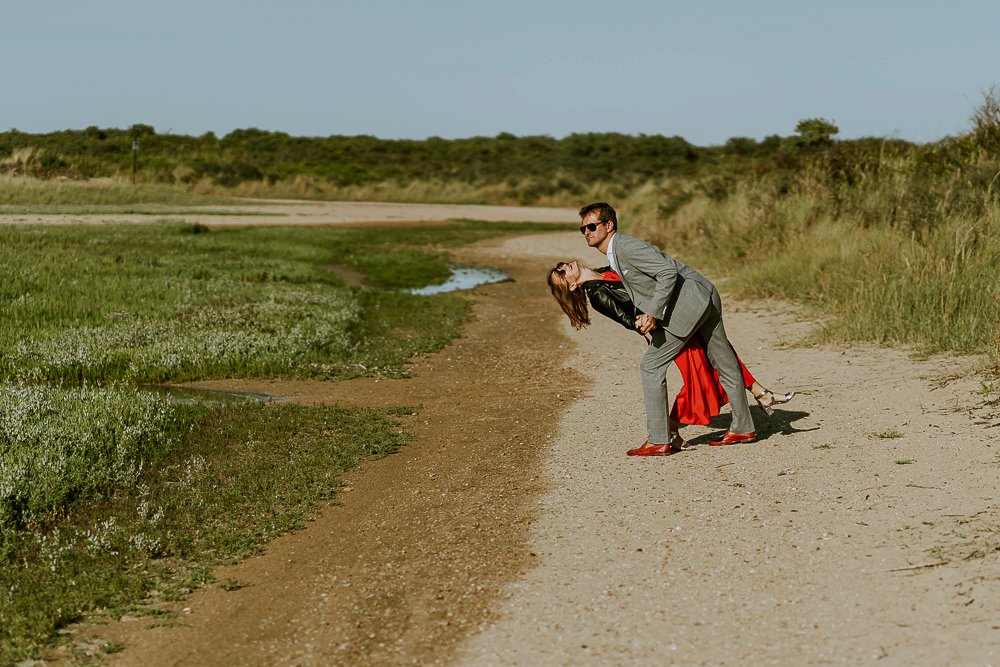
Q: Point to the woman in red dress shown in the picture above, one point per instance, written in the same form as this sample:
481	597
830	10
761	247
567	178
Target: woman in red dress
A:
701	397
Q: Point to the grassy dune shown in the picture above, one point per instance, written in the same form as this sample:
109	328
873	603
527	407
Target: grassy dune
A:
897	258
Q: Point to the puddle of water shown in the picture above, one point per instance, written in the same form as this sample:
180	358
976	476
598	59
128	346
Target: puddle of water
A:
190	396
463	278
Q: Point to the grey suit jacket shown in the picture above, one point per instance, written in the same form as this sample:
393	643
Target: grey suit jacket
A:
672	292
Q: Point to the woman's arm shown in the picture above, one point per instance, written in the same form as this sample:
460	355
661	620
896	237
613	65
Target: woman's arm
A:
613	303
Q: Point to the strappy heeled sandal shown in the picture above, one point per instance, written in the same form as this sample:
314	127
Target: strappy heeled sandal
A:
767	399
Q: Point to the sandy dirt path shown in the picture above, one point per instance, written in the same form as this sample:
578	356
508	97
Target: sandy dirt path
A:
303	212
513	530
823	543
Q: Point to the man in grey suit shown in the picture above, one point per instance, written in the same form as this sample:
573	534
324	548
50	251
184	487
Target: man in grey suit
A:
677	303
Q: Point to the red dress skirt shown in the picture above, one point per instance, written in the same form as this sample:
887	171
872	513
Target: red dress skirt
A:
701	397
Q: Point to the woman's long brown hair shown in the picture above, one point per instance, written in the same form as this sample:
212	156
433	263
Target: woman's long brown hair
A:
574	303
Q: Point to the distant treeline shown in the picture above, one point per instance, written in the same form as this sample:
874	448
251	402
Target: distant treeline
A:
256	155
666	172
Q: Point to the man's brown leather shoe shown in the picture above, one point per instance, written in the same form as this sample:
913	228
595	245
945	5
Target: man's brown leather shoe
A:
734	438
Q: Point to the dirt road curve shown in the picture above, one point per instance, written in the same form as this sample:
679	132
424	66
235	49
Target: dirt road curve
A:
515	531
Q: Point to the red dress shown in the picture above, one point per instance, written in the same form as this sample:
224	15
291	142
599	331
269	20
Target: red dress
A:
701	397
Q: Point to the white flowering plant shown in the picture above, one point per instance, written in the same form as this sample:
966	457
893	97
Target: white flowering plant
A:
59	444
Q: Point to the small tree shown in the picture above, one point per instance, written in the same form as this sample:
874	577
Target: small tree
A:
141	130
815	132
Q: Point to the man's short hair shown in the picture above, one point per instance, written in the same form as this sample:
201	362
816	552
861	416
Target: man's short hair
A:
605	212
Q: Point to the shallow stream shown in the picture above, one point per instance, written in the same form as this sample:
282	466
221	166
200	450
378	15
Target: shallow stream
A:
463	278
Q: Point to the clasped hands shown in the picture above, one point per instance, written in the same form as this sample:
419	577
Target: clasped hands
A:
645	323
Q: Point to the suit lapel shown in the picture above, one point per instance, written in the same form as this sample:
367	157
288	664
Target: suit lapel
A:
623	271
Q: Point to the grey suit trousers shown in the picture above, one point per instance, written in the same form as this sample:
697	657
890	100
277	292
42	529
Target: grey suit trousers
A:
665	347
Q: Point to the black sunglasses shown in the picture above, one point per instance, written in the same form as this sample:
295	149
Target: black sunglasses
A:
591	227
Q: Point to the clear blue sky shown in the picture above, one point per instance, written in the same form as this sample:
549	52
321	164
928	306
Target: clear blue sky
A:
705	70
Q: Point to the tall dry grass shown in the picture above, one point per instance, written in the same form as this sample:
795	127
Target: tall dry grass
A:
896	257
555	190
21	194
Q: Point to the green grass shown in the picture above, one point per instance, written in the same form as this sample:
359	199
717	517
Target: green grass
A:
150	303
112	647
231	584
890	434
108	491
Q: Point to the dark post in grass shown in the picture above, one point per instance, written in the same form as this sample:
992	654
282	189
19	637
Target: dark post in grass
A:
135	157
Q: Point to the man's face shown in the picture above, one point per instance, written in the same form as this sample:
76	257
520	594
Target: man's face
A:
595	231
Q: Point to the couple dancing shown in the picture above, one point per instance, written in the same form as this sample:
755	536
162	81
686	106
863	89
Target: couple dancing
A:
679	312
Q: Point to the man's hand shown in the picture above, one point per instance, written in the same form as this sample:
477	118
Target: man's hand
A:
645	323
